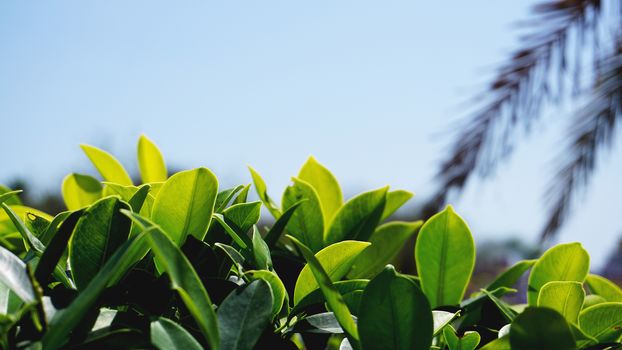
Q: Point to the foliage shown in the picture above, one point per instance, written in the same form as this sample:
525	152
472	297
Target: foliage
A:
177	262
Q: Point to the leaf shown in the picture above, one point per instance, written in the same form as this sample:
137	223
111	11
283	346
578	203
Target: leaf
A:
541	328
150	161
564	262
261	252
336	260
603	287
262	192
324	322
395	199
502	343
563	297
276	286
326	186
107	165
593	299
394	314
316	297
80	191
30	239
468	341
241	217
185	204
602	321
279	226
306	223
9	196
137	200
510	276
242	240
243	195
445	257
224	197
100	231
166	334
333	298
386	243
508	313
187	283
442	319
358	218
243	315
14	276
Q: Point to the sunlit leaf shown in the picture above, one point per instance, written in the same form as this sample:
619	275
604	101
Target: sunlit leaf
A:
604	288
564	297
602	321
262	192
326	186
541	328
307	222
150	161
107	165
80	191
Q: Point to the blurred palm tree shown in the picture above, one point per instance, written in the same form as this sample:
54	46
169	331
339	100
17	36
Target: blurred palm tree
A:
563	38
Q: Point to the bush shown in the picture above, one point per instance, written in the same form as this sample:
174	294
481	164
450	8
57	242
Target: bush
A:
178	263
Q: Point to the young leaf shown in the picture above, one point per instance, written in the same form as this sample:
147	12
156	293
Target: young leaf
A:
167	334
358	218
468	341
107	165
445	256
261	253
394	314
564	262
30	239
563	297
333	298
243	315
386	243
442	319
279	225
150	161
336	260
80	191
603	287
185	204
316	297
14	276
99	232
395	199
602	321
326	186
541	328
243	195
9	196
276	286
262	192
509	277
224	197
306	223
241	217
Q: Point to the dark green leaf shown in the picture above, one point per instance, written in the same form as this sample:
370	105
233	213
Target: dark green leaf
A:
166	334
541	328
277	230
306	223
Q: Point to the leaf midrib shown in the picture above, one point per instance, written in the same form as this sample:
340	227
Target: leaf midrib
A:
440	287
183	233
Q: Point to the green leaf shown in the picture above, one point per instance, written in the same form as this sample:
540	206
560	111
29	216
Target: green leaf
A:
445	256
333	298
442	319
14	276
241	217
31	240
9	196
224	197
326	186
243	195
358	218
505	309
394	314
276	285
276	231
563	297
261	252
100	231
502	343
166	334
593	299
80	191
187	283
306	223
468	341
541	328
395	199
243	316
510	276
262	192
316	297
603	287
602	321
107	165
150	161
563	262
336	260
386	243
185	204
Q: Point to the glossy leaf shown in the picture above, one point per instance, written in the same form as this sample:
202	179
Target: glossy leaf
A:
602	321
262	192
243	195
394	314
306	223
31	240
241	217
9	196
541	328
316	297
445	256
150	161
80	191
100	231
224	197
386	242
276	286
185	203
243	315
326	186
261	253
336	260
358	217
563	297
603	287
509	277
107	165
277	230
468	341
395	200
167	334
442	319
564	262
14	276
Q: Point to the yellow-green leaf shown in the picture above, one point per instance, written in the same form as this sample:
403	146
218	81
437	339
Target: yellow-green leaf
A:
326	185
80	191
602	321
603	287
565	297
262	192
107	165
150	161
307	222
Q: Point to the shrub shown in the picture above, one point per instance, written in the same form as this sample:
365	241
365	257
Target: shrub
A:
178	263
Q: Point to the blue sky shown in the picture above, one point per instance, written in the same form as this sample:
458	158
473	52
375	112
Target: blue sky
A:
370	88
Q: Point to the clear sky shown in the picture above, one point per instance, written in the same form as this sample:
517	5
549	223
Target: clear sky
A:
368	87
